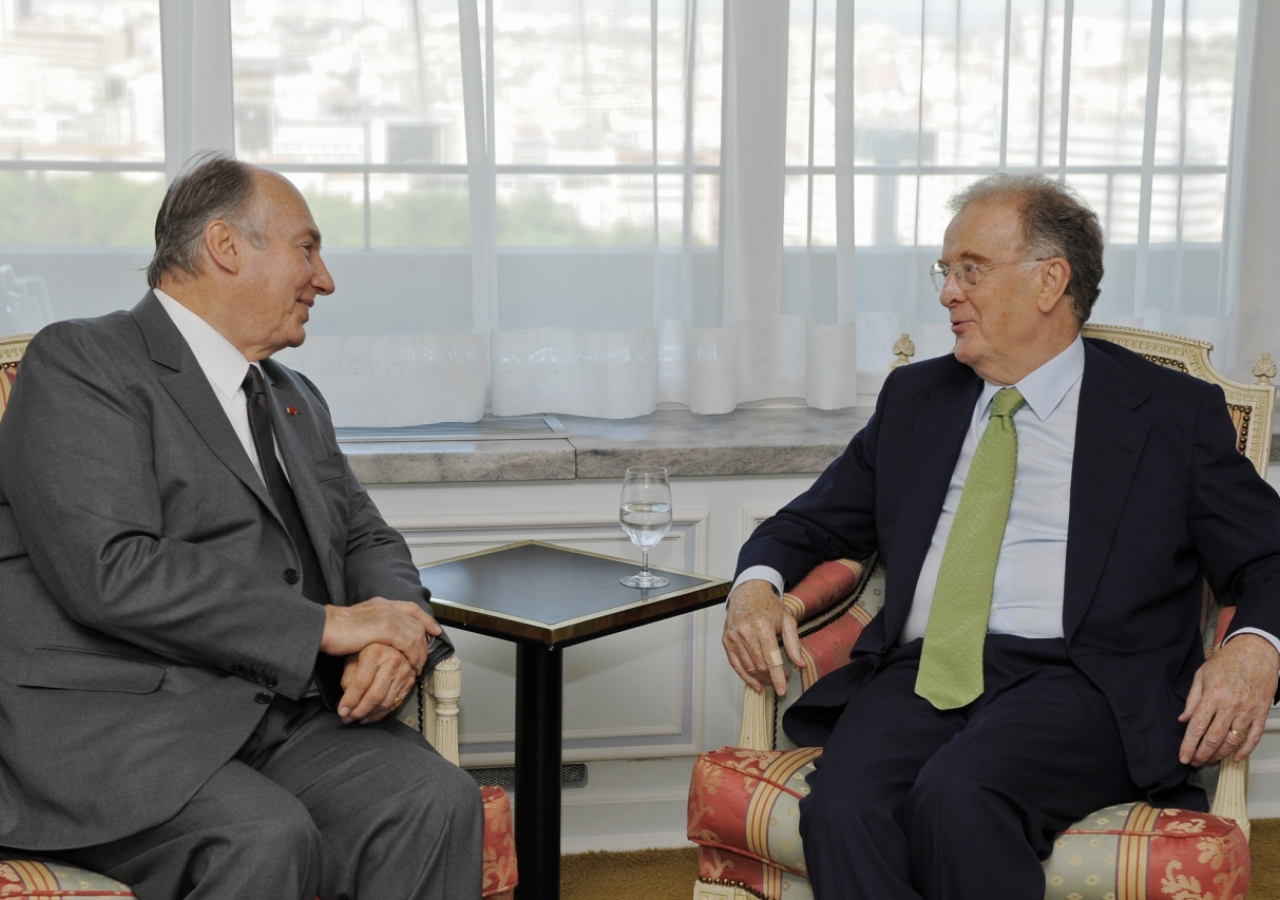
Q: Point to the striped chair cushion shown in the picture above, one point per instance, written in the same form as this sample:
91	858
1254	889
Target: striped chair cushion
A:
744	813
24	878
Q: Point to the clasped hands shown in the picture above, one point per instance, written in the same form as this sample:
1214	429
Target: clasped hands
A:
1226	710
385	644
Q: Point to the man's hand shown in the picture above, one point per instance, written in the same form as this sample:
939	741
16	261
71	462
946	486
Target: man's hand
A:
376	680
396	623
1229	701
755	619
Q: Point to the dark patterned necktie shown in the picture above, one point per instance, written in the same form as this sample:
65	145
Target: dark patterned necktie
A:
328	668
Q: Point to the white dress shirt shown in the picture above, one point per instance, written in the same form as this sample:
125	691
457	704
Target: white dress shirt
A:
224	366
1027	597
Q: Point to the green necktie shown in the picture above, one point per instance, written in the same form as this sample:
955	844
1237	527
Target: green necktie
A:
950	673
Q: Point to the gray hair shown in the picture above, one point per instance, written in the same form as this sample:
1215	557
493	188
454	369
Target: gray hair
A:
1055	222
218	186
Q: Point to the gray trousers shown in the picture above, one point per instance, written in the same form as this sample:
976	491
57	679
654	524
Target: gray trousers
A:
310	807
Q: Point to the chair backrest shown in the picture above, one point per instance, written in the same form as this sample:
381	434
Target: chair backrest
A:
1252	406
11	350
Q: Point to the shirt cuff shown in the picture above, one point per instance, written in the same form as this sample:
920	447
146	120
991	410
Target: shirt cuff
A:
1271	638
764	573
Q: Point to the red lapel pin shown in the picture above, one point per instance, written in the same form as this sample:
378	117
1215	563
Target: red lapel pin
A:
291	410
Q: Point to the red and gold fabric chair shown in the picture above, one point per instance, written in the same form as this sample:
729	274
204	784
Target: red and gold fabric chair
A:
744	801
433	710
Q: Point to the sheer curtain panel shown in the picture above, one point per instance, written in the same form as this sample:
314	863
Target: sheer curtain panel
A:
600	207
707	204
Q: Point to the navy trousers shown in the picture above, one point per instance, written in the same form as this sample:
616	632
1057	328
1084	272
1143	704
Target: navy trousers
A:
911	802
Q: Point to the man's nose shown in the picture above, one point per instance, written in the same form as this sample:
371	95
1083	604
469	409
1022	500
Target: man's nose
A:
321	280
951	293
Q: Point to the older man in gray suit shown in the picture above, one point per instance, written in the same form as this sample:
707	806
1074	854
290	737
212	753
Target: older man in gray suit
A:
207	623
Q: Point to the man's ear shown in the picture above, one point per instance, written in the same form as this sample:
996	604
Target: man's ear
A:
222	243
1054	278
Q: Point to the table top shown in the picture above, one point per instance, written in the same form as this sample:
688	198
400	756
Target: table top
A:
533	591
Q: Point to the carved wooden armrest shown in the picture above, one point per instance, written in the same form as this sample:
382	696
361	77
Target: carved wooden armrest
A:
437	698
1231	799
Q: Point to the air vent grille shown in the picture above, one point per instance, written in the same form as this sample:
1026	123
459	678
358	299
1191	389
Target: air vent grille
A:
572	775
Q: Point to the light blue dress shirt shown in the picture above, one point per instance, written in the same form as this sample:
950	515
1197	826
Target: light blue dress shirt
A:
1031	572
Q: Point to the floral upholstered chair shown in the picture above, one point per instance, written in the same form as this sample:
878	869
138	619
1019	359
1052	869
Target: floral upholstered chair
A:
433	710
744	801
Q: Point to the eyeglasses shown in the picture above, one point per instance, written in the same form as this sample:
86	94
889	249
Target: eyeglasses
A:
969	274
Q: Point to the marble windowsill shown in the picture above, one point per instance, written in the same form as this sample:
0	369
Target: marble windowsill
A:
773	441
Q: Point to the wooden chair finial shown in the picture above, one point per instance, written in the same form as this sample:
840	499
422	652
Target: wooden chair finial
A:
905	349
1264	369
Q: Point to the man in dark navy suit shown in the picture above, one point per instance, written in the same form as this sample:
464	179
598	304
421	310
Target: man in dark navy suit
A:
1038	655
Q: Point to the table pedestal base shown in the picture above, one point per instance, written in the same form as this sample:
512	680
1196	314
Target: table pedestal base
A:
539	729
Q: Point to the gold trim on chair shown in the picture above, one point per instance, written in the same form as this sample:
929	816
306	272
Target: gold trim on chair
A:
11	349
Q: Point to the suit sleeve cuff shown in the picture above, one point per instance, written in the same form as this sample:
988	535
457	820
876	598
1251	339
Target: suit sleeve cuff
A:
764	573
1271	638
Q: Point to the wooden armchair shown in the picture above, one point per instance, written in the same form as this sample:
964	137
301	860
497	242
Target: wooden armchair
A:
432	709
744	801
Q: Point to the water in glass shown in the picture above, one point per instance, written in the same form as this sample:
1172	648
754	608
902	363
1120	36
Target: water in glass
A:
645	516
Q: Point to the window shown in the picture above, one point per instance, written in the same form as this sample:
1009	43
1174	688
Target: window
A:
602	206
81	123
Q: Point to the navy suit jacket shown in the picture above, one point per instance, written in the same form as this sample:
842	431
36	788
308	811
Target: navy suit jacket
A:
1160	500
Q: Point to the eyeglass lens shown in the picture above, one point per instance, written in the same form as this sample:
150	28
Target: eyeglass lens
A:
966	274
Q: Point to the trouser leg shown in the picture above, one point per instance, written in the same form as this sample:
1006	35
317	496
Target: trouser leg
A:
855	842
913	802
308	807
398	820
1041	750
240	836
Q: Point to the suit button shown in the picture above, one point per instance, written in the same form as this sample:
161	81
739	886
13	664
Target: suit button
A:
291	576
271	683
263	698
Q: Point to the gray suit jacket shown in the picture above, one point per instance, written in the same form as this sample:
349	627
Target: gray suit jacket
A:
145	614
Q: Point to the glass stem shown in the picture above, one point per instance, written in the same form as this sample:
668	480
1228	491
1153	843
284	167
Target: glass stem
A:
644	568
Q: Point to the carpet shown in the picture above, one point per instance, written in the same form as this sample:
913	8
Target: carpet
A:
1264	856
669	874
638	875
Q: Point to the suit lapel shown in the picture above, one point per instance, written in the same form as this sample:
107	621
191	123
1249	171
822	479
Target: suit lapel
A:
190	389
298	462
943	416
1109	442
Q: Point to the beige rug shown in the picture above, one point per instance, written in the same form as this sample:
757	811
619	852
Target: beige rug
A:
641	875
669	874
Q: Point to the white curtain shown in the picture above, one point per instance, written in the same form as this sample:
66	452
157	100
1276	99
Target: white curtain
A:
748	194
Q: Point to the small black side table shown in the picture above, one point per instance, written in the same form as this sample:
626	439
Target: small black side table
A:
546	598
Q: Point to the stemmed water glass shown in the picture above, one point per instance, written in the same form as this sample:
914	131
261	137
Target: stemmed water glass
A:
645	516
